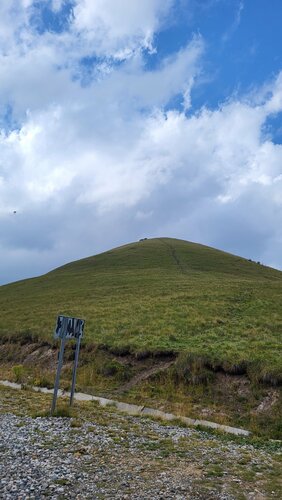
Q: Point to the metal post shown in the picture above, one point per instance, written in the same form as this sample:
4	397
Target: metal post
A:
75	368
59	367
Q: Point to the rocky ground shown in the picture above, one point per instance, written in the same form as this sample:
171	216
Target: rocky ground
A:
99	453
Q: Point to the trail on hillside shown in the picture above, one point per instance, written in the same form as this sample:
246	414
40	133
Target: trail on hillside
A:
173	254
144	376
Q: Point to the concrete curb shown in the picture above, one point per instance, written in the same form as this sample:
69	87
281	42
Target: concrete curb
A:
132	409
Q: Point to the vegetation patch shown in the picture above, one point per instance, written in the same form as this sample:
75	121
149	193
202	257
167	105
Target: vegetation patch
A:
215	314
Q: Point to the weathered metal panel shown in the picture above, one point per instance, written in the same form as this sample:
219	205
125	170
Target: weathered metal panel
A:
69	328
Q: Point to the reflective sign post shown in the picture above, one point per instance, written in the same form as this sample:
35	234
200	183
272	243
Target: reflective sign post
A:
74	369
59	367
67	328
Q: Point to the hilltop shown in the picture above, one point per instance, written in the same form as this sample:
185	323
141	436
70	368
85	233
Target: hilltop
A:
158	294
160	314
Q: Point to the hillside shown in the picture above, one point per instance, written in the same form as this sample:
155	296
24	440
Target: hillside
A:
160	295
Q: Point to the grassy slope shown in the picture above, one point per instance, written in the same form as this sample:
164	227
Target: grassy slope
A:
160	294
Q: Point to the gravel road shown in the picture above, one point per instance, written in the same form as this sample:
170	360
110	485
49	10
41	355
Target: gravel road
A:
114	456
45	457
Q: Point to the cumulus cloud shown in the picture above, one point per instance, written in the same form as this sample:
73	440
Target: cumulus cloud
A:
119	27
91	165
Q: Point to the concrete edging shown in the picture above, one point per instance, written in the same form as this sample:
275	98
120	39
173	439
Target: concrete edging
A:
132	409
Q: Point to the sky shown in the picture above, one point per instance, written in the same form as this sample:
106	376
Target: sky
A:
125	119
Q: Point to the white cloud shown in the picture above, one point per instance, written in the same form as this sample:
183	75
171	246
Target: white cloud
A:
57	5
54	149
119	27
236	23
13	18
108	163
67	125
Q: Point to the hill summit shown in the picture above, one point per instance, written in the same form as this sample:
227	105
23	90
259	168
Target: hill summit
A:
170	254
159	294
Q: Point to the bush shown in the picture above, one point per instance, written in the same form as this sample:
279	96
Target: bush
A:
43	381
108	369
64	412
18	372
192	369
113	368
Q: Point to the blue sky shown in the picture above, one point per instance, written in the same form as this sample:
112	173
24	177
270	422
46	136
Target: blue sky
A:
243	45
122	119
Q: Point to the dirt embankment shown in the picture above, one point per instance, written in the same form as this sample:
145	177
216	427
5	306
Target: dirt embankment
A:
34	354
156	378
138	367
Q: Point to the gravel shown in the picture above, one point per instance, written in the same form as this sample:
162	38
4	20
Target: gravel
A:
46	457
120	458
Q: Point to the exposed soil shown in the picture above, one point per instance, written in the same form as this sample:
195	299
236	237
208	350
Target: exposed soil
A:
30	354
231	399
174	255
144	375
268	402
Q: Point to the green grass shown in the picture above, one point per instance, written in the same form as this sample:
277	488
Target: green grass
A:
160	295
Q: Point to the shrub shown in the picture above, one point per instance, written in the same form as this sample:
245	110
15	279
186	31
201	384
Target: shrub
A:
108	369
114	368
64	411
192	369
43	381
18	372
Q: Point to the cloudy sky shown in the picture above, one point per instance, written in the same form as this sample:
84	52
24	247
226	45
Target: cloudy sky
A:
123	119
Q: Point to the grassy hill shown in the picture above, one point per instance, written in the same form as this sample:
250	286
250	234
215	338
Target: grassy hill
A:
160	295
